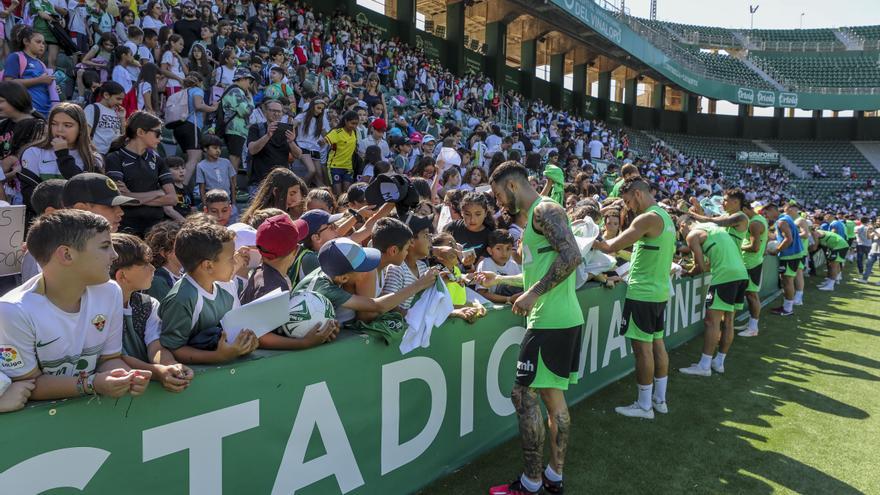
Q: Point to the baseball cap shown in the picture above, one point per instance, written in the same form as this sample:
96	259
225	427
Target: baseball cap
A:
278	236
379	125
342	256
315	219
242	73
94	188
427	138
418	223
415	137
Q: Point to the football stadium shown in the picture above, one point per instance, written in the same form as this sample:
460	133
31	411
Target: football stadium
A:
439	247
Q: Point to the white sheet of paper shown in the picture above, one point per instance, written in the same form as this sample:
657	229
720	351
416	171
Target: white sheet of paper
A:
261	315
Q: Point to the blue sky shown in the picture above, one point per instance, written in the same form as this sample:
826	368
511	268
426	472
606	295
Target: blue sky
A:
772	14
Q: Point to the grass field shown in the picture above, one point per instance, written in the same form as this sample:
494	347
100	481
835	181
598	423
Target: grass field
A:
796	412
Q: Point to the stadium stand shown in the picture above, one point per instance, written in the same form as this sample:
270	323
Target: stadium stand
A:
729	68
822	70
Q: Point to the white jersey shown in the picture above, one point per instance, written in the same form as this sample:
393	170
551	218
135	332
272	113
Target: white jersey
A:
37	334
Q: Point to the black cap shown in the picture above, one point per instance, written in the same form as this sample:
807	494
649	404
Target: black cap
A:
93	188
418	223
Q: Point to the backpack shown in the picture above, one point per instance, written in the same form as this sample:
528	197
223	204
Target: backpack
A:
220	120
177	109
54	98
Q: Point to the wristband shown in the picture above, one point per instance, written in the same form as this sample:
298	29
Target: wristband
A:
81	383
356	215
90	384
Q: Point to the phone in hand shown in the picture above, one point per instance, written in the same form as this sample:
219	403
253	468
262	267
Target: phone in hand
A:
283	128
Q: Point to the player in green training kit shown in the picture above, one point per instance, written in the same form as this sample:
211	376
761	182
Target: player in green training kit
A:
804	226
753	259
652	235
549	354
726	294
749	232
837	248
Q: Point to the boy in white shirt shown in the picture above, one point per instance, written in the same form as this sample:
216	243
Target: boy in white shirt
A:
63	329
500	261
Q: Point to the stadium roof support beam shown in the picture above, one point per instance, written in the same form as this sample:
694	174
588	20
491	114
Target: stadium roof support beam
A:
496	49
455	36
557	69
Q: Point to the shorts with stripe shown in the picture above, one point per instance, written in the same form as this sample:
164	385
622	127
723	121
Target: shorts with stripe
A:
549	358
756	275
727	297
643	321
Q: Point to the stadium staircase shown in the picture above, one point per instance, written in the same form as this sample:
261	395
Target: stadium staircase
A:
850	40
871	151
789	165
764	75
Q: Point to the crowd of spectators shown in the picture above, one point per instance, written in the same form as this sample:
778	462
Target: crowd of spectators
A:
224	150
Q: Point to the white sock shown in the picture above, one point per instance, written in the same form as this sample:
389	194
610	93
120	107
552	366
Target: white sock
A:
528	484
705	361
799	296
719	358
645	396
753	324
788	305
660	389
551	474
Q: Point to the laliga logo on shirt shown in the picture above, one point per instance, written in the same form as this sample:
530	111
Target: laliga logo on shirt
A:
9	358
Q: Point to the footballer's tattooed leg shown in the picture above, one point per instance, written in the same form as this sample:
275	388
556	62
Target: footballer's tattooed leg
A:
531	429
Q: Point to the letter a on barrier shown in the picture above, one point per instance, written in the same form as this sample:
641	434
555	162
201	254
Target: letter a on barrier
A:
394	453
317	410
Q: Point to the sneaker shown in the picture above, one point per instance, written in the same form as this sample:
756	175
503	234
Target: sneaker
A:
860	280
741	326
696	370
513	488
634	410
748	333
660	407
799	303
826	288
554	487
717	367
781	311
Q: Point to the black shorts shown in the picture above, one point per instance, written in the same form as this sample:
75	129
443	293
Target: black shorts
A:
790	267
235	144
851	241
187	137
755	276
642	320
728	296
549	358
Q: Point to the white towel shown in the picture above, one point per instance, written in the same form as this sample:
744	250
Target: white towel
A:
431	310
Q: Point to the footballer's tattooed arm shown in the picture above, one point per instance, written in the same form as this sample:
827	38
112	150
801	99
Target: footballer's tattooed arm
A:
551	221
531	429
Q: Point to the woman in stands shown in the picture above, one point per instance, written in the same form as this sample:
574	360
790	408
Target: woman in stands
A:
372	94
30	47
187	133
312	125
19	126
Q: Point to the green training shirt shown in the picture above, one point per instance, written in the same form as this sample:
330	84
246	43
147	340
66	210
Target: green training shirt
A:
651	261
750	259
724	255
558	308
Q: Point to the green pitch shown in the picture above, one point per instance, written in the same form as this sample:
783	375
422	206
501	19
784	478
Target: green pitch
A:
797	411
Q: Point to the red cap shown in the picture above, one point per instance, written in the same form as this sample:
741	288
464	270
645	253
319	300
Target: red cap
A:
379	125
278	236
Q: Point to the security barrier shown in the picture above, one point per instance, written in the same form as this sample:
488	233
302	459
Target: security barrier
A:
353	416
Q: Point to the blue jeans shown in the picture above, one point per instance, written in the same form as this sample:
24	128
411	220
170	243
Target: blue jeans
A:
872	258
861	254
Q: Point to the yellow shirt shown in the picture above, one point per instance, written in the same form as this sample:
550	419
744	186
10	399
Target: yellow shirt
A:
457	292
342	146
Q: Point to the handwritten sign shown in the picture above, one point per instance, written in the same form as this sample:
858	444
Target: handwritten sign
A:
11	239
